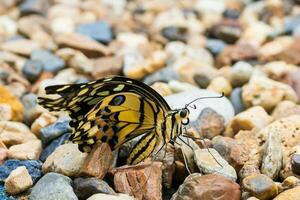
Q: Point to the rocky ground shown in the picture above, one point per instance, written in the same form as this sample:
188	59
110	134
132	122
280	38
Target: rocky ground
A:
184	50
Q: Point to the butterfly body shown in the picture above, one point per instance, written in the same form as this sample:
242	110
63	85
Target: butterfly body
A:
116	110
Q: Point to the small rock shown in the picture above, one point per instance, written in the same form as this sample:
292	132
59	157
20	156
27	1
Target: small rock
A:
162	88
260	186
6	97
98	162
236	100
62	25
3	194
285	109
220	84
32	69
34	7
66	159
51	62
86	187
6	112
31	110
240	73
88	46
42	121
142	181
111	197
3	155
174	33
295	163
209	123
27	151
8	26
290	182
55	130
289	54
111	65
272	156
290	194
18	181
295	83
15	133
53	186
78	61
279	70
33	167
22	46
228	30
53	145
207	187
215	46
252	118
100	31
221	105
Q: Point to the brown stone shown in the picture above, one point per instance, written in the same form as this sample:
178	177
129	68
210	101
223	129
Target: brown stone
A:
291	194
98	162
285	109
3	155
207	187
107	66
143	181
291	53
235	53
295	81
30	150
45	75
83	43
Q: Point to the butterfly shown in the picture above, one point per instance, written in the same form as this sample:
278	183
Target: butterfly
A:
116	110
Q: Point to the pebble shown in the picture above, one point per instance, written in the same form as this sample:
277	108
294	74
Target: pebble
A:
98	162
111	65
221	105
22	46
51	62
100	31
6	112
290	182
3	194
208	187
241	73
290	194
33	167
3	155
47	134
220	84
285	109
260	186
111	197
15	133
236	100
31	110
295	163
209	161
8	26
53	186
33	7
215	46
32	69
30	150
44	120
66	159
87	187
18	181
62	25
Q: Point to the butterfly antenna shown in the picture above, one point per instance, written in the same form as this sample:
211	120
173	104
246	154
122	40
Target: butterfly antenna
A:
194	106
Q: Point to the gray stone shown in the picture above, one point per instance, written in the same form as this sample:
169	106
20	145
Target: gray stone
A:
236	100
51	62
34	7
32	69
53	186
240	73
209	161
215	46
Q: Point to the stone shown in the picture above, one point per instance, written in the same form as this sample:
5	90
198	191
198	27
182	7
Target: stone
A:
207	187
228	30
174	33
78	61
86	187
209	161
141	181
98	162
221	105
51	62
18	181
110	65
22	46
232	54
4	195
253	118
289	54
220	84
236	100
53	186
88	46
3	155
32	69
15	133
285	109
162	88
99	30
34	7
66	159
260	186
6	112
33	167
295	83
215	46
290	182
62	25
278	70
266	93
165	74
111	197
31	110
290	194
27	151
241	73
42	121
295	163
47	134
209	123
272	156
6	97
8	26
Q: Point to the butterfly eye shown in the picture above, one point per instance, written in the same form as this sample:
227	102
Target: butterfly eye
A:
183	113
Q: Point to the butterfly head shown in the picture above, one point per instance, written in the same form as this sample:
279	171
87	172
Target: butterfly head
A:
183	114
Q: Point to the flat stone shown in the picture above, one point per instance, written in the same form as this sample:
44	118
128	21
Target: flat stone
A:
290	194
260	186
22	46
33	167
111	65
66	159
53	186
207	187
27	151
42	121
100	31
111	197
98	162
86	187
18	181
32	69
211	162
285	109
